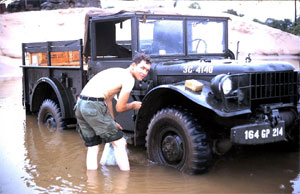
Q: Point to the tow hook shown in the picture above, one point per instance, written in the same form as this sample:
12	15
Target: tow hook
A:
271	115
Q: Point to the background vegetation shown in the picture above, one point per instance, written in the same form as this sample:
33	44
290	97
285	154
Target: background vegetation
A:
285	25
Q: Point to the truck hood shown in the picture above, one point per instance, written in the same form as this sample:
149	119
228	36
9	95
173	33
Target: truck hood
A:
216	67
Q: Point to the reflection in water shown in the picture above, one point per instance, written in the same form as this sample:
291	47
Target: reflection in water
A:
55	158
108	180
296	184
36	160
56	162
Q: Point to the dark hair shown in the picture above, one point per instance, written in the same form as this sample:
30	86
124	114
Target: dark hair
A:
141	57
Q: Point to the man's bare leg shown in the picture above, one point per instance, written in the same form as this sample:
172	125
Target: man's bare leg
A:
121	154
92	157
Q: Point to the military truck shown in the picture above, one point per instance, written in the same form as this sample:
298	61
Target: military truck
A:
197	100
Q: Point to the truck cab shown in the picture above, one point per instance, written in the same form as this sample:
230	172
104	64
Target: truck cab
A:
112	41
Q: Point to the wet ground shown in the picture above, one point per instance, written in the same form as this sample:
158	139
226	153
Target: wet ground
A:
35	160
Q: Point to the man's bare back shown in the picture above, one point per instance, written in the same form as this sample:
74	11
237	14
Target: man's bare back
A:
103	86
108	83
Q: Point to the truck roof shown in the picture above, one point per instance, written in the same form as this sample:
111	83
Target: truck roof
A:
107	14
103	13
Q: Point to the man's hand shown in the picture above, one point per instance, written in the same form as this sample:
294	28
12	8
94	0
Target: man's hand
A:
120	127
136	105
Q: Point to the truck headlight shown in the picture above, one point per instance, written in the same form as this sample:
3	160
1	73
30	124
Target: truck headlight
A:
226	85
221	85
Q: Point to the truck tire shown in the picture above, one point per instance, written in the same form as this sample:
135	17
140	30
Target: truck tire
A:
175	139
50	115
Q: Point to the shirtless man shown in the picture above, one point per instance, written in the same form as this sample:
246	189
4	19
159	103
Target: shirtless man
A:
94	109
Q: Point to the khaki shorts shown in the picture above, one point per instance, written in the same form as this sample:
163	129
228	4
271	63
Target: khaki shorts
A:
95	124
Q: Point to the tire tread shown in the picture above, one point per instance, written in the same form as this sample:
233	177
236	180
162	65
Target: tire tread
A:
201	148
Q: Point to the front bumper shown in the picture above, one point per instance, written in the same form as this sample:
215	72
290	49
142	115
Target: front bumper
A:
258	133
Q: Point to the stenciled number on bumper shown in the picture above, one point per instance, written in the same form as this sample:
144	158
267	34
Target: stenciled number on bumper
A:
264	133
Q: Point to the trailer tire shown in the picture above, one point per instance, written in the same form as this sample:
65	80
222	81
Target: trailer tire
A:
49	115
175	139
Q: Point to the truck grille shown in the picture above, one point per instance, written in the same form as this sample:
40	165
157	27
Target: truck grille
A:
254	89
274	86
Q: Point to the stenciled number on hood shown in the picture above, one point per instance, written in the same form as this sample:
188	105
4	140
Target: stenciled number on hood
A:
202	68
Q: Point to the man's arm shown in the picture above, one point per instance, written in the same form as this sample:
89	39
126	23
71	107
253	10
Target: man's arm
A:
122	104
110	107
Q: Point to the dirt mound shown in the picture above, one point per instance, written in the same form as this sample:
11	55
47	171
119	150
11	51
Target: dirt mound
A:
260	39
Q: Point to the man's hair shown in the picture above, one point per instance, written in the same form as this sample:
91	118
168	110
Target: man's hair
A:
141	57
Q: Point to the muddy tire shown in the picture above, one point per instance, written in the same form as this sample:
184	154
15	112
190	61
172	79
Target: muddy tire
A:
50	116
176	140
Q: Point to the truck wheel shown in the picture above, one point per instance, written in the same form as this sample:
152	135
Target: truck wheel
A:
50	115
175	139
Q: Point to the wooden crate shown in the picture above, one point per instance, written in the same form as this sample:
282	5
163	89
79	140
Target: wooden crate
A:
68	58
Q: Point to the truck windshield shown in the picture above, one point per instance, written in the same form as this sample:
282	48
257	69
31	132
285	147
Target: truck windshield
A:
166	37
161	37
205	37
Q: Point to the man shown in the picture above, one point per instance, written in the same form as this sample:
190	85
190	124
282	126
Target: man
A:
94	109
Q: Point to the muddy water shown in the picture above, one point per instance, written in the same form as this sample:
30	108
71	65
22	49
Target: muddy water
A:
35	160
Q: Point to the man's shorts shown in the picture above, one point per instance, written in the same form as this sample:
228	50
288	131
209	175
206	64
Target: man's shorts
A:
94	123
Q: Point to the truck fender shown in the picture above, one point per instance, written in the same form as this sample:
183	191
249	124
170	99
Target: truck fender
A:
202	98
151	104
161	96
158	98
59	91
